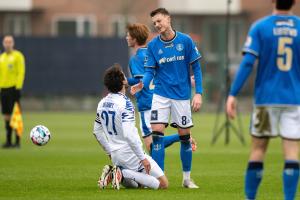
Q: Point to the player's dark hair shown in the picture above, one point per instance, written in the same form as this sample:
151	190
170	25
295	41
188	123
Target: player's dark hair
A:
140	32
284	4
162	11
113	78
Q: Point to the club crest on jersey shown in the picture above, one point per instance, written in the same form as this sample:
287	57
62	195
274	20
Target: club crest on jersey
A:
179	47
154	115
160	52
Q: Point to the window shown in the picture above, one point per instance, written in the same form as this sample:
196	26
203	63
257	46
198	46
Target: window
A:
17	24
80	26
119	24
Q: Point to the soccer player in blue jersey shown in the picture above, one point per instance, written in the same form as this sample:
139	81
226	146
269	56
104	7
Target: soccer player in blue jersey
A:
169	57
136	37
275	41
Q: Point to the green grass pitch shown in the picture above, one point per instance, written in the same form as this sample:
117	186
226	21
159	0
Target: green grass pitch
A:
68	167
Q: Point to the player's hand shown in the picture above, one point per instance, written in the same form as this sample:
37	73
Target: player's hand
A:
146	165
197	102
193	83
136	88
231	107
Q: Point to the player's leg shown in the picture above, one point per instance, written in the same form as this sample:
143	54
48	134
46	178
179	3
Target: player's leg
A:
155	179
290	131
291	168
254	171
262	128
146	131
145	128
7	107
160	112
181	117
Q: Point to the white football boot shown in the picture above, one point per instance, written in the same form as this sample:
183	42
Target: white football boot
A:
189	183
106	176
116	177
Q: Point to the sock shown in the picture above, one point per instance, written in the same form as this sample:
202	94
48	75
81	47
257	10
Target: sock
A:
170	139
141	178
186	175
186	153
8	132
158	149
290	179
253	178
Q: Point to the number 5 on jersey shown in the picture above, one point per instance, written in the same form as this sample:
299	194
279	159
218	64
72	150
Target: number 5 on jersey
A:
284	50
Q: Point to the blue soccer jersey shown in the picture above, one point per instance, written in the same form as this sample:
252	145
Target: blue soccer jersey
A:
172	60
137	70
275	41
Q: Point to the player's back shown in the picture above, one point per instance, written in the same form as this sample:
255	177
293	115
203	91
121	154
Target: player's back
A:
114	110
276	42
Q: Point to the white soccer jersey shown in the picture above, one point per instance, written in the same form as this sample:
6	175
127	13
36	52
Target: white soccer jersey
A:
114	126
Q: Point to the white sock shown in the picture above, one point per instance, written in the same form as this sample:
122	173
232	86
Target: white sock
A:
141	178
186	175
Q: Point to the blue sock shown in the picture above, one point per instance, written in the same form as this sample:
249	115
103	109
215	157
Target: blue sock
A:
290	179
169	140
158	149
253	178
186	153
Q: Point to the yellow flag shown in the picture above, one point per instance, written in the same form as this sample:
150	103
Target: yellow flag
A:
16	120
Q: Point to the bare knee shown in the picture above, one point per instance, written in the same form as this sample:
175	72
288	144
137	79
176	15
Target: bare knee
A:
158	127
258	149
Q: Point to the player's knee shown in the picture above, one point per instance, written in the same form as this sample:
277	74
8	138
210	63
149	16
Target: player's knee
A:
185	138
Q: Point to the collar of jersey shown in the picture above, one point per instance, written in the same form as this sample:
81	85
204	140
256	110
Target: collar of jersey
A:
168	41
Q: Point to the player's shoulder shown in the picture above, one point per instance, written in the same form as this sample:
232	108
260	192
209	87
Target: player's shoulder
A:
153	41
183	37
263	22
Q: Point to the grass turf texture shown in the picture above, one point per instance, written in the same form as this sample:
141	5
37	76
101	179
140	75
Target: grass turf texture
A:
68	167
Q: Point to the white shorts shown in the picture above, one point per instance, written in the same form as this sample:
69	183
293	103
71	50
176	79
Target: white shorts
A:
145	125
276	121
126	159
180	110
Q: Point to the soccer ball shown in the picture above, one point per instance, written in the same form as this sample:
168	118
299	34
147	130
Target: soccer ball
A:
40	135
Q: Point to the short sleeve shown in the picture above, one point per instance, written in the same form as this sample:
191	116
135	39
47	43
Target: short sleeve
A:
193	51
252	44
150	59
136	67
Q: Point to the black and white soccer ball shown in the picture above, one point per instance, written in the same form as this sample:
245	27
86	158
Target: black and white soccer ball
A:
40	135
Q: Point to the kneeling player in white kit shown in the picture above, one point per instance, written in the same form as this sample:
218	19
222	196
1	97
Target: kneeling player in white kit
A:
115	130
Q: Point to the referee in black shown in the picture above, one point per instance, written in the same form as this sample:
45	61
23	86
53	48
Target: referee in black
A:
12	73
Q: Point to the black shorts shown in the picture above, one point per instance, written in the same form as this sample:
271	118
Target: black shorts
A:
8	99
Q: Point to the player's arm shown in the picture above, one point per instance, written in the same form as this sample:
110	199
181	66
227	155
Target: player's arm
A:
100	135
150	68
242	75
133	80
21	71
131	133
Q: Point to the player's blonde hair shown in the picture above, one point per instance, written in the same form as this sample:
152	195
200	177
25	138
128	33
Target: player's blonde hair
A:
138	31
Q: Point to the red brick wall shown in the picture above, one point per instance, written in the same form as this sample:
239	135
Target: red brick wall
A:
101	9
